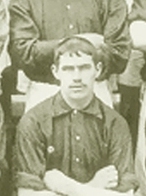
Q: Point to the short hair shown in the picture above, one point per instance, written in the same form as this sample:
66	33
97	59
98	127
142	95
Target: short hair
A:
74	44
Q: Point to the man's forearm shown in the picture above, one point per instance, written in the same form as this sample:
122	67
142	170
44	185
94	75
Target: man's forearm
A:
32	51
31	192
36	57
59	183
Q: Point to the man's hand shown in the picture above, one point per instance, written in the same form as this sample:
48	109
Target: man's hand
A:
107	177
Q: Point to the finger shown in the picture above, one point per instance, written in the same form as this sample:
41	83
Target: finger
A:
112	172
113	175
111	185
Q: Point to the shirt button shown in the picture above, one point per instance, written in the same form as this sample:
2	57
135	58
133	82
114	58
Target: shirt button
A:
68	7
71	26
50	149
78	138
77	160
75	112
105	145
115	51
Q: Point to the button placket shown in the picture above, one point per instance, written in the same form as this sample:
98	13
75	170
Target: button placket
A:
68	7
76	124
77	136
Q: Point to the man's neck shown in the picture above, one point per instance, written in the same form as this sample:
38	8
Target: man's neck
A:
78	104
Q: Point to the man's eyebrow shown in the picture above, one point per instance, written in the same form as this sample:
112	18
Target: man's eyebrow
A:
68	67
86	65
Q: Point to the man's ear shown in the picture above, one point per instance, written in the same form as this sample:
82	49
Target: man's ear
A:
54	70
99	69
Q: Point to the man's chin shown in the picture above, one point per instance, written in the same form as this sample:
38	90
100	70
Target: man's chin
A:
77	95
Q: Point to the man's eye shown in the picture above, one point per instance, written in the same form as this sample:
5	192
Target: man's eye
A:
67	68
84	67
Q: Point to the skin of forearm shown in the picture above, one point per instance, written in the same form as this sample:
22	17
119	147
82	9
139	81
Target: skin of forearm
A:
31	192
59	183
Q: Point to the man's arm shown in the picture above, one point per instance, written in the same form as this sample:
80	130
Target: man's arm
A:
116	33
31	192
120	153
29	155
60	183
27	48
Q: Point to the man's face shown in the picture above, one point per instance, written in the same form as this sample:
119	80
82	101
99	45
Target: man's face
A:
77	75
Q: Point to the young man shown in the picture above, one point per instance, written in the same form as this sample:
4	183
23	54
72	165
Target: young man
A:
73	144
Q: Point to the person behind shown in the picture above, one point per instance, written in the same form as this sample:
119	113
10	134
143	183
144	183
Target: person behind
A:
130	82
36	27
3	39
72	143
3	25
138	32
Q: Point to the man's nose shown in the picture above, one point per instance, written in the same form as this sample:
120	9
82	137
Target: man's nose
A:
77	75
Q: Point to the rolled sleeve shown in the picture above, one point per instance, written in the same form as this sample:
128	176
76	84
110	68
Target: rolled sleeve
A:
116	33
27	44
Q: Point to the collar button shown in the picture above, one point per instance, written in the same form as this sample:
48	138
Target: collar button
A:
68	7
75	111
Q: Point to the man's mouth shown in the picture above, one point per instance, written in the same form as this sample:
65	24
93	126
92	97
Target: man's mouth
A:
77	87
